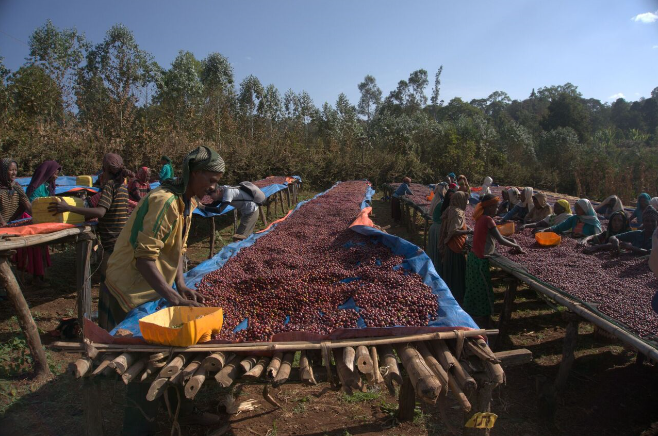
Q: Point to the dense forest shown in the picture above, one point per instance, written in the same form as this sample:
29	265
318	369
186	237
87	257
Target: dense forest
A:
74	100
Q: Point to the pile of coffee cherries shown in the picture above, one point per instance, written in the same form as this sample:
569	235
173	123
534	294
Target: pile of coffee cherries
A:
297	277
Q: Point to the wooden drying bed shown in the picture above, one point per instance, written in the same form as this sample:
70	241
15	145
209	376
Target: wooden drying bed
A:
83	237
410	212
425	366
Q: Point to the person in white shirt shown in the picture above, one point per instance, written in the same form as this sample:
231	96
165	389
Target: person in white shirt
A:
241	200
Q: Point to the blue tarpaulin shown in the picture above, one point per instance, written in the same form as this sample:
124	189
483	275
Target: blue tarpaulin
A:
60	181
449	313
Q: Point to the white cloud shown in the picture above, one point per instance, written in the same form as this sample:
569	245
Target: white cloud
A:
248	58
646	18
616	96
655	47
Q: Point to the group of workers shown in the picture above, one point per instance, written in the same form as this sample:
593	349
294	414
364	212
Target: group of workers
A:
143	249
466	271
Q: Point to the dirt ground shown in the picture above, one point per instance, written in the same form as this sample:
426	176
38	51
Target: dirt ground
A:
608	393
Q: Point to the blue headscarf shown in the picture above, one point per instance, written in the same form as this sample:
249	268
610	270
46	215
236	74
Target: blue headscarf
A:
590	214
452	175
638	210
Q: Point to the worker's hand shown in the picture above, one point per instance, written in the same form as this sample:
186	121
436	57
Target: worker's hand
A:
191	295
185	302
519	250
58	207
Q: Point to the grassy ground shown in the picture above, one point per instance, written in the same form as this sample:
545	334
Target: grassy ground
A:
607	393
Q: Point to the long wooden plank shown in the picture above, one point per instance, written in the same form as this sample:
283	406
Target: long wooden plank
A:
12	242
279	346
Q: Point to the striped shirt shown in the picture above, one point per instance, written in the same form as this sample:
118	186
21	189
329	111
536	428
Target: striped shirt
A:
11	202
115	200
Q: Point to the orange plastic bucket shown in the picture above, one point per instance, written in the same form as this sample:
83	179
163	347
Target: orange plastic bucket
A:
181	326
507	229
548	239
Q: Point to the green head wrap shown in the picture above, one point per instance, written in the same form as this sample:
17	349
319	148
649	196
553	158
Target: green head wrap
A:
200	159
166	158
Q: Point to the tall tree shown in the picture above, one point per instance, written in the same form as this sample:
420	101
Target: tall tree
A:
116	72
371	97
60	54
436	91
251	91
418	82
270	106
217	80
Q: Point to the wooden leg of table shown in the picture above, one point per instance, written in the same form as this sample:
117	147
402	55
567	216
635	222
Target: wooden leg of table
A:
83	278
413	220
481	402
548	395
406	400
288	197
25	319
506	313
235	221
425	235
93	411
283	212
262	215
212	237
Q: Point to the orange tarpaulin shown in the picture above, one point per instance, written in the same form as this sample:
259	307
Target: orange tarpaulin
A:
36	229
274	222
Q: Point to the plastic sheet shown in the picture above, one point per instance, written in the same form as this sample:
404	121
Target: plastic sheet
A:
60	181
267	190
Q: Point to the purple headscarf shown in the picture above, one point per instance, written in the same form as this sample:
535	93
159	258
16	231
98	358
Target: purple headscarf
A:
42	174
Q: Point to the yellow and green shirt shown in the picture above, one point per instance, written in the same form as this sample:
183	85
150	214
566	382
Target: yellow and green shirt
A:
157	230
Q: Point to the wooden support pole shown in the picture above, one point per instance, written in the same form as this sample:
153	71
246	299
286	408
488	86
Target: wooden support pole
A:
506	312
376	374
174	367
406	400
83	277
425	235
211	253
363	360
80	367
104	368
134	370
568	348
248	363
157	388
215	362
306	370
235	221
390	365
193	386
348	357
261	212
283	373
229	372
255	372
194	364
275	364
348	379
123	362
288	197
426	384
280	194
25	320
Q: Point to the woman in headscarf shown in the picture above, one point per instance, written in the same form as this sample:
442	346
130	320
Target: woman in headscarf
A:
504	205
523	207
478	296
617	225
486	186
403	189
636	241
112	207
13	200
462	182
583	223
433	239
540	210
140	186
43	180
643	201
562	211
450	178
452	239
609	206
167	171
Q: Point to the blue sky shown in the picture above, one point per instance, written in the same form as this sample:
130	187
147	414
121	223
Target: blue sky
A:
607	47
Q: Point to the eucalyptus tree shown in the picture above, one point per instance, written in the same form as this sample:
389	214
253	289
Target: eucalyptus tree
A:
60	53
251	92
217	80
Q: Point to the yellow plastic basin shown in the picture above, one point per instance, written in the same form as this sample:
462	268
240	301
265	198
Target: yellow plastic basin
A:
84	181
181	326
548	239
507	229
